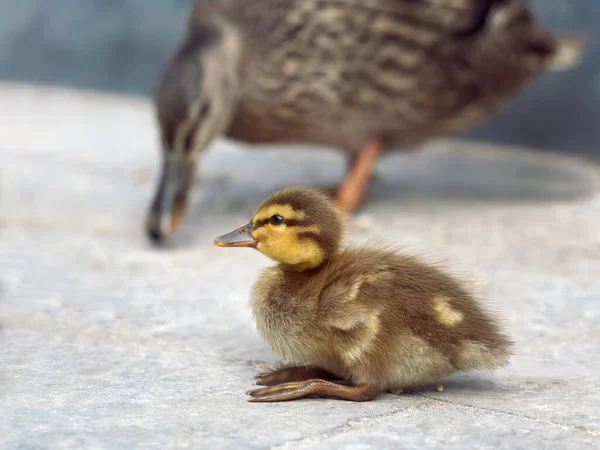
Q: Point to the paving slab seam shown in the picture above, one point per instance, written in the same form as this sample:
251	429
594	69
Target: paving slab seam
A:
348	427
371	421
480	409
99	336
362	423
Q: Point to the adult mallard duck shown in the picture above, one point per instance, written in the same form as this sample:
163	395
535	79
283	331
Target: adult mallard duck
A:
363	76
354	322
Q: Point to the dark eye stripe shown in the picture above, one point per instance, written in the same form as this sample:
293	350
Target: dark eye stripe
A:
260	223
295	222
288	222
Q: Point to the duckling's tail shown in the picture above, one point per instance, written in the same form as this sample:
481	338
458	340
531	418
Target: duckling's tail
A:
482	356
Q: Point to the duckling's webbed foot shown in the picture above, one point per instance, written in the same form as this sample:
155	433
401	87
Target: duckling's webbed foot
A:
289	374
352	190
317	387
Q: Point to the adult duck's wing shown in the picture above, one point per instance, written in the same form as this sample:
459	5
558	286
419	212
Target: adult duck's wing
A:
454	17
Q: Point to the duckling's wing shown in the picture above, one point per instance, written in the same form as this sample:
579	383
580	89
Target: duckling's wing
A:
343	304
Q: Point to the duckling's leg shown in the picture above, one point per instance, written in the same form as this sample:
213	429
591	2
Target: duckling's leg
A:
352	190
287	374
318	387
170	199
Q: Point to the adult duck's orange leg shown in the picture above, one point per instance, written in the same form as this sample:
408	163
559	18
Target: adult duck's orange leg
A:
322	388
353	188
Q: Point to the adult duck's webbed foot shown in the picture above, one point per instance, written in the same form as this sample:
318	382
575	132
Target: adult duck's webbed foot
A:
315	387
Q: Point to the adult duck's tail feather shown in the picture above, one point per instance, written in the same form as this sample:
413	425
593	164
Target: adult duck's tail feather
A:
569	50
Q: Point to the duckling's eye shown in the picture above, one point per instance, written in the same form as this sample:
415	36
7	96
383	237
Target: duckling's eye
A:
276	220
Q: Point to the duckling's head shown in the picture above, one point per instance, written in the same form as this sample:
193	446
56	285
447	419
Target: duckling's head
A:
297	227
196	100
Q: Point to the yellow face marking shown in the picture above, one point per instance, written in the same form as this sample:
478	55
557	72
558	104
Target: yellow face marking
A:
444	313
284	244
283	210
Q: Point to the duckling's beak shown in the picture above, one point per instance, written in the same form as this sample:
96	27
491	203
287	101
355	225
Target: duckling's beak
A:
168	206
242	237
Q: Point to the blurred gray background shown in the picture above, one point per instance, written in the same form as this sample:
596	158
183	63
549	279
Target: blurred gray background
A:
120	46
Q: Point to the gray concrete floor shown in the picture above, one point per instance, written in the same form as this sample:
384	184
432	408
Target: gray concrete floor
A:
109	343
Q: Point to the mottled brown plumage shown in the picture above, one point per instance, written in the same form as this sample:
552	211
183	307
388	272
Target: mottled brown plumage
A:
369	316
350	74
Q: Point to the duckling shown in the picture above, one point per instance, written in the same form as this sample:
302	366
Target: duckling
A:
362	76
351	323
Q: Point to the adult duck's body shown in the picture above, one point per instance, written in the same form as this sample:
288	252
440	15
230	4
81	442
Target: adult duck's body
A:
363	76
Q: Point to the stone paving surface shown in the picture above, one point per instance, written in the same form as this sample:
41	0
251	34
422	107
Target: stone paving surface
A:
107	342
